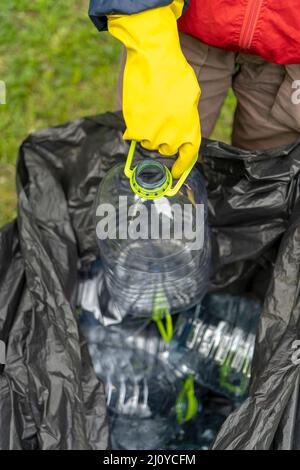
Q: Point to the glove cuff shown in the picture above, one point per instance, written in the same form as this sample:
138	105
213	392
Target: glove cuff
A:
146	29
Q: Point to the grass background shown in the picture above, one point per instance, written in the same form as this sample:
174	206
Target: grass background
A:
56	67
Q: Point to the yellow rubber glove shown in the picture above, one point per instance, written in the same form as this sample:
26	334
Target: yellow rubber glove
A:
161	92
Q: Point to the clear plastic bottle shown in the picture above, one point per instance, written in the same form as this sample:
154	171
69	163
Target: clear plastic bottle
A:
133	375
215	343
156	252
141	390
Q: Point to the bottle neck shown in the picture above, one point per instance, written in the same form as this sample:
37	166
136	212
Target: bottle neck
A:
151	179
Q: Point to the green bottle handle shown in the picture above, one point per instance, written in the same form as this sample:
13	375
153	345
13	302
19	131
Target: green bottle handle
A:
187	397
166	330
237	390
169	190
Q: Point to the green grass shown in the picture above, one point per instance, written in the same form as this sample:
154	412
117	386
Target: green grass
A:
223	128
57	67
7	193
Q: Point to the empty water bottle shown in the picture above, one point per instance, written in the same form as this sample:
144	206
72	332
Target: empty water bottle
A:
153	238
145	398
155	429
128	362
141	392
215	342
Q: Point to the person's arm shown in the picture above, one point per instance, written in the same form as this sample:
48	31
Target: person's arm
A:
160	90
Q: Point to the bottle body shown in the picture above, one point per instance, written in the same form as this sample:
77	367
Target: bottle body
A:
158	255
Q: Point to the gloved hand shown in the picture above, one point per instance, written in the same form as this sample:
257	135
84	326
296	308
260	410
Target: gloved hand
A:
161	92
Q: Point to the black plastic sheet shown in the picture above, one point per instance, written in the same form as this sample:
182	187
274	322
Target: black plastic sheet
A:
50	397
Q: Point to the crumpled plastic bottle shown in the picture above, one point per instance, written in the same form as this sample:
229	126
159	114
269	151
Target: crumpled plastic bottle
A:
215	343
141	389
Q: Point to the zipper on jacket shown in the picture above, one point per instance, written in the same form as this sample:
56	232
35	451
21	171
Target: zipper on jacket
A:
249	24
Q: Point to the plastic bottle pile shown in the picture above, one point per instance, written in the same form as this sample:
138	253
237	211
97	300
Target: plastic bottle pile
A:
149	382
154	342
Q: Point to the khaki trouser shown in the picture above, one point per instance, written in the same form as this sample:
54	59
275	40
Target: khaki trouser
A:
265	117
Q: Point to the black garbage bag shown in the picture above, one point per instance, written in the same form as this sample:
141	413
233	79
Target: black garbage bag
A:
51	397
270	417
